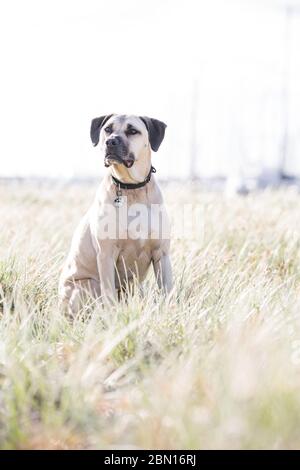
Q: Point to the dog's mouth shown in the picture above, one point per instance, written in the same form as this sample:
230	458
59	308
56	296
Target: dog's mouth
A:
127	160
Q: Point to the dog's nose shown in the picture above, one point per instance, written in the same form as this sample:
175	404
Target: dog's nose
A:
113	141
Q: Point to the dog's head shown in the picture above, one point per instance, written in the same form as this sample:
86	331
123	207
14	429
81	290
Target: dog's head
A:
126	139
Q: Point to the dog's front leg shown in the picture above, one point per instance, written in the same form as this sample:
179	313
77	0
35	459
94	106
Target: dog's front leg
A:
163	273
106	268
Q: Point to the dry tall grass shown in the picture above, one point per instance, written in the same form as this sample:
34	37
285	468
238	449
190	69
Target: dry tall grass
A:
216	367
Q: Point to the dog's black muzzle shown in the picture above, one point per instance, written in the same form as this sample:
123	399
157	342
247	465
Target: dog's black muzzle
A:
117	152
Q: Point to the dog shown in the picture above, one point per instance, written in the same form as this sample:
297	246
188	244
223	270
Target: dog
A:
103	265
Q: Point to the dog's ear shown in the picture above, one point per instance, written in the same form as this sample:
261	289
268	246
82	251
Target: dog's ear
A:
96	126
156	130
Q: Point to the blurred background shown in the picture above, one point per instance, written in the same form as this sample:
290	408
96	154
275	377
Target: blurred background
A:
224	75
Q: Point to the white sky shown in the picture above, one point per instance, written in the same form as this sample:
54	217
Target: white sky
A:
64	62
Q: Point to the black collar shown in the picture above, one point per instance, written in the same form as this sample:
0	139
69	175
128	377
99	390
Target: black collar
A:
121	185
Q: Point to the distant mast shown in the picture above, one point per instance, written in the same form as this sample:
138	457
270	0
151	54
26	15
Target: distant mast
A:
289	11
193	131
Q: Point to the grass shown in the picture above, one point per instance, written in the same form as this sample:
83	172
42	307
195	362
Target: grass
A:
218	366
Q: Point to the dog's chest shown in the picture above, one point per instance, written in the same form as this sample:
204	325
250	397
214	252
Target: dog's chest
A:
139	235
134	258
141	222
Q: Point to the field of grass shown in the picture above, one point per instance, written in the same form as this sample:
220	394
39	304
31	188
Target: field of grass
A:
217	366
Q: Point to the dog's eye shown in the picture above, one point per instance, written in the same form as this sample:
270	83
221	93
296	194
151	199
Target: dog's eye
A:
108	130
132	131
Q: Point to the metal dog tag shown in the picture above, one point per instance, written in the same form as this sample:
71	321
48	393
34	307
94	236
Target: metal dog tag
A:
119	201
